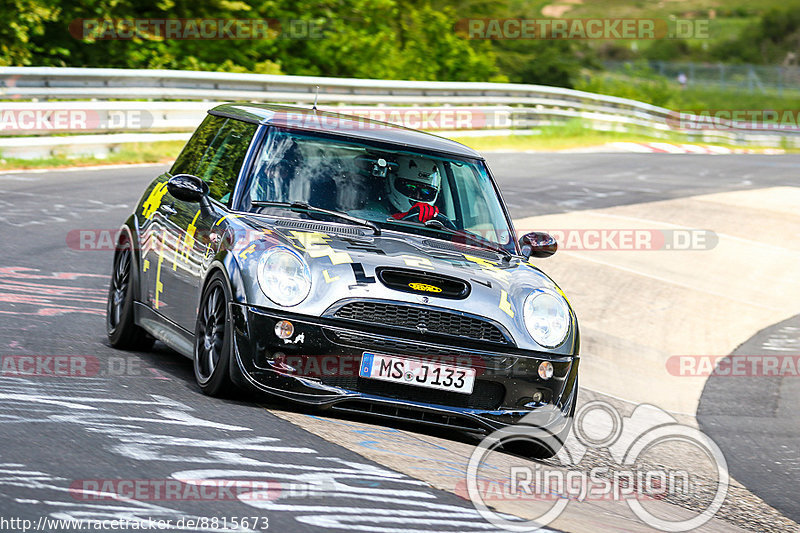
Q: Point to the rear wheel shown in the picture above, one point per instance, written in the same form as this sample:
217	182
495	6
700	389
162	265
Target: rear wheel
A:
213	344
122	331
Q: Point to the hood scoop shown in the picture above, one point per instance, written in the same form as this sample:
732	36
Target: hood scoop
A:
320	227
423	283
459	248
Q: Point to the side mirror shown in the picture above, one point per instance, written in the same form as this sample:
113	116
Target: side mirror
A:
188	188
538	244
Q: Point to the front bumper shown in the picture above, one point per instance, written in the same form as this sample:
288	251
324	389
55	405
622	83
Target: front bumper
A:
319	366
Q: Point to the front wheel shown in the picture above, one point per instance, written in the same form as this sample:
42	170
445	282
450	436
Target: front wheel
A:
122	331
547	444
213	344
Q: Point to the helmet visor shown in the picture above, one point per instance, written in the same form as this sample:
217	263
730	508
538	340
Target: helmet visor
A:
422	192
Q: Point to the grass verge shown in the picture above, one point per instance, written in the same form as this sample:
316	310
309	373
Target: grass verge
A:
159	152
552	138
575	135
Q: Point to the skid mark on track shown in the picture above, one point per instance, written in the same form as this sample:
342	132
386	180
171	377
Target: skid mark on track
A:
290	485
28	291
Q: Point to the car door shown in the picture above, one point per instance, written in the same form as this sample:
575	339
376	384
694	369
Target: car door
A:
156	210
224	143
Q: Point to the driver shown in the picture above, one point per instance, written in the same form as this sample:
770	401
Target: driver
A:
413	188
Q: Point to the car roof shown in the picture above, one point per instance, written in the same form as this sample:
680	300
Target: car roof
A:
341	124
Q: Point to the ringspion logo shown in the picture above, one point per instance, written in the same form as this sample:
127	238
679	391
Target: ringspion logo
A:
633	477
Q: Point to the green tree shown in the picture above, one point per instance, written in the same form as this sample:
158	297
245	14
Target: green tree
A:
23	22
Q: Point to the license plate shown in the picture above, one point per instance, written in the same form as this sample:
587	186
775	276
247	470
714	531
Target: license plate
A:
415	372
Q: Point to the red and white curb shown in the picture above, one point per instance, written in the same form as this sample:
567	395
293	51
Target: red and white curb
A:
668	148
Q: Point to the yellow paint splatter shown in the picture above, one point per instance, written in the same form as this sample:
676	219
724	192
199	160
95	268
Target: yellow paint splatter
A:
416	261
505	305
146	265
328	278
153	201
563	295
247	251
316	245
159	285
188	239
490	267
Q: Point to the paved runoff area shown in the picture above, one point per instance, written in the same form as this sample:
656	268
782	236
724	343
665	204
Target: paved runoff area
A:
683	272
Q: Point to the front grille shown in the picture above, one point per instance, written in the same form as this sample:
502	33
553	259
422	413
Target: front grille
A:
383	344
422	319
486	395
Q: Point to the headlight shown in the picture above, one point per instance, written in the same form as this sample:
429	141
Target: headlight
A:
546	315
284	276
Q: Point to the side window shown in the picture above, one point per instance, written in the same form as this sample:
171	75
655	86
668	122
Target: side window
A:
192	153
216	153
477	213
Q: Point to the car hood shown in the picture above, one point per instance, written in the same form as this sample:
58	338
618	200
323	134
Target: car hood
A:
345	261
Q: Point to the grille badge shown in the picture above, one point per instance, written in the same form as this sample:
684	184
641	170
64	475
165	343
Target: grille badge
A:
422	327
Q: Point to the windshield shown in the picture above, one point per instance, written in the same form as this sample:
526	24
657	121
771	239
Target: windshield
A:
376	183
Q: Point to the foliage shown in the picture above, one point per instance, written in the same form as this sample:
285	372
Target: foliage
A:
640	83
395	39
22	30
388	39
768	40
637	83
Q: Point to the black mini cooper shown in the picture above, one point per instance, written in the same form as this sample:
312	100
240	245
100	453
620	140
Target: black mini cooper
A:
348	264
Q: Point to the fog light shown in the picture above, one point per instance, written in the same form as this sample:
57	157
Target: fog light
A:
279	361
284	329
545	370
537	397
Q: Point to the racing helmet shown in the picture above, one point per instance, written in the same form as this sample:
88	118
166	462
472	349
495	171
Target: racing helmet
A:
414	180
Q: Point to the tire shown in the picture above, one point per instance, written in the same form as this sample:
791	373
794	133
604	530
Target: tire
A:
213	346
548	447
122	331
535	450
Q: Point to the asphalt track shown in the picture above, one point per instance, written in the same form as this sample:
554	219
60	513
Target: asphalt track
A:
756	422
141	416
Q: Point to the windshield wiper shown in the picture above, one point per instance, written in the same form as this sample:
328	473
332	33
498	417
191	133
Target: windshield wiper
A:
438	226
302	206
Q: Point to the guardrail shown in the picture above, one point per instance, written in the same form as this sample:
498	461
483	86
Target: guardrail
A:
44	101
